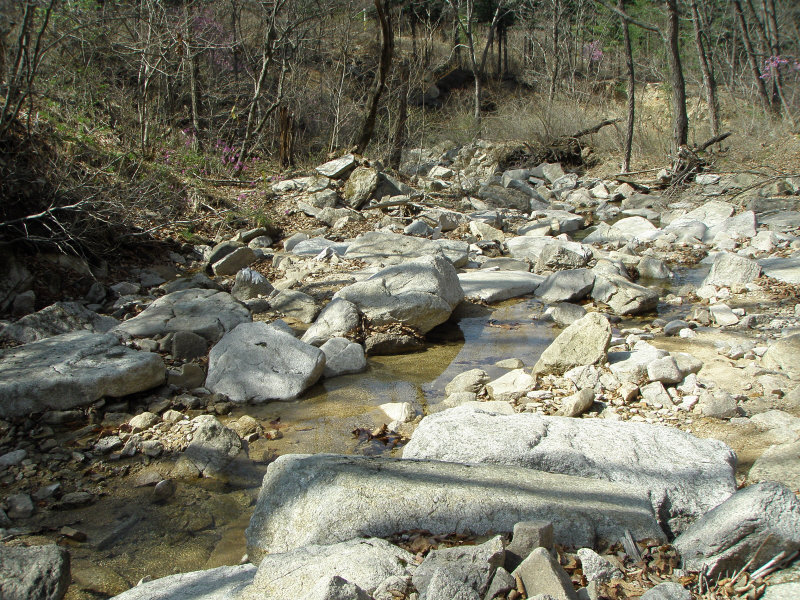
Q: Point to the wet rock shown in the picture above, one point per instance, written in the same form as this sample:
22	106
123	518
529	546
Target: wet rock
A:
755	523
309	498
34	572
686	476
256	362
585	342
211	451
208	313
495	286
653	268
58	318
471	567
164	490
421	293
73	369
343	357
296	305
541	574
381	344
20	506
13	458
784	355
674	327
565	314
362	562
221	583
338	319
566	286
729	269
250	284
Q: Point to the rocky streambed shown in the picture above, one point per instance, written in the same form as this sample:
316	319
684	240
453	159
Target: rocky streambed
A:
570	363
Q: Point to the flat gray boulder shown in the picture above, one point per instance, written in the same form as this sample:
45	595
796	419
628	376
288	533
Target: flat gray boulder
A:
495	286
208	313
294	573
34	572
757	522
420	293
221	583
566	286
308	499
394	248
256	362
73	369
684	476
731	268
338	319
58	318
585	342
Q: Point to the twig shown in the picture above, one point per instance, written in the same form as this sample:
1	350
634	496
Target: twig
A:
231	182
774	564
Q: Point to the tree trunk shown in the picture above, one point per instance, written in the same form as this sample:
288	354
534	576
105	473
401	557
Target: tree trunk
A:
192	67
680	120
706	66
751	56
387	47
626	158
399	134
286	146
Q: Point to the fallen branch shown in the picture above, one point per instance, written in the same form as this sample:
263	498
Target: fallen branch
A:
714	140
594	128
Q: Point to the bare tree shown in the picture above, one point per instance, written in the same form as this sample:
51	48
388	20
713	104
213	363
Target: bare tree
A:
626	34
700	27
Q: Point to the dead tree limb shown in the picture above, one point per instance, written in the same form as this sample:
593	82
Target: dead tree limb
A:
714	140
593	129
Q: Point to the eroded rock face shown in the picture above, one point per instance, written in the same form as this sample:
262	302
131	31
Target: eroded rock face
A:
73	369
208	313
256	362
685	476
761	520
365	563
307	499
419	293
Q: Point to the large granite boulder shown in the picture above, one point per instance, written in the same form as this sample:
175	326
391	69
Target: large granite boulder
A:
365	563
73	369
34	572
58	318
784	354
256	362
420	293
394	248
684	476
585	342
208	313
495	286
310	499
222	583
755	524
566	286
